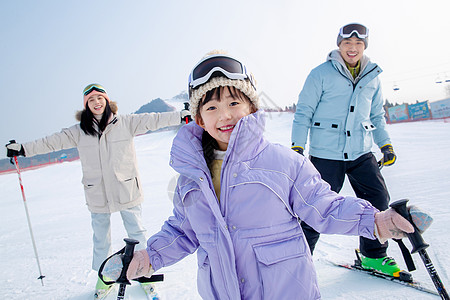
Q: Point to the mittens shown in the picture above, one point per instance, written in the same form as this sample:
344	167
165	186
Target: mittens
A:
185	116
14	149
389	224
140	265
113	267
421	219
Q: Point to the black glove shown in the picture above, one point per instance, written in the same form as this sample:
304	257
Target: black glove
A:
298	149
14	149
389	156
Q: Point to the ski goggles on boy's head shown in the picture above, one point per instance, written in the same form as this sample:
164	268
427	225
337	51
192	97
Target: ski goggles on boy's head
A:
93	87
348	30
215	65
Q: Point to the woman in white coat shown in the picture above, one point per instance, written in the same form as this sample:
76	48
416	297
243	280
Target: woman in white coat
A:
110	175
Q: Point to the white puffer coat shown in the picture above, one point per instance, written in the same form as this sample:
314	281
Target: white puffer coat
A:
110	174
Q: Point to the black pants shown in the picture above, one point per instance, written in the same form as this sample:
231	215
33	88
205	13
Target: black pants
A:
367	182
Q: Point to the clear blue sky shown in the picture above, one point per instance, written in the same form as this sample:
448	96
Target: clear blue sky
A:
141	50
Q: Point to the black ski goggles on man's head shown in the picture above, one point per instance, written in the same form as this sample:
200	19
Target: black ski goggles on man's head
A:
93	87
218	64
348	30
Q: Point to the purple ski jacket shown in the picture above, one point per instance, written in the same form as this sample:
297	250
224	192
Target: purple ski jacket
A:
250	245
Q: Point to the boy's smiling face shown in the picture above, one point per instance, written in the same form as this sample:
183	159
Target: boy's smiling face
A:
352	50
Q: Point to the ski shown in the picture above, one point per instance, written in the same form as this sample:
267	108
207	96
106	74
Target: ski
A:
150	291
408	281
105	295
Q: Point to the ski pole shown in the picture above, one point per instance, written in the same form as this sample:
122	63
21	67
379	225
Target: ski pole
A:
419	245
381	163
41	277
128	255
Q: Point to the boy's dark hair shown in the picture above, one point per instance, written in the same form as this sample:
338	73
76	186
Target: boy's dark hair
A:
87	121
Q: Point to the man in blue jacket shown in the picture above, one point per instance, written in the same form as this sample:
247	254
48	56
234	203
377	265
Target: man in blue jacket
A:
341	106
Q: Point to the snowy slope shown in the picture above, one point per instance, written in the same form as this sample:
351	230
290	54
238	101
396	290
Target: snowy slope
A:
61	222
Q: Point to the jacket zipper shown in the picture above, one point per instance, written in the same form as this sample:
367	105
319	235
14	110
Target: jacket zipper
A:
355	84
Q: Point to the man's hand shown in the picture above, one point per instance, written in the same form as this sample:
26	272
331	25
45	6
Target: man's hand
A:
389	156
298	149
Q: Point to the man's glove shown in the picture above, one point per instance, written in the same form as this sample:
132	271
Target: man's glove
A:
389	156
298	149
14	149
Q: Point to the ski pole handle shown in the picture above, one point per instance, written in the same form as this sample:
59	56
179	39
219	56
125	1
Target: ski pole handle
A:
8	153
128	255
415	238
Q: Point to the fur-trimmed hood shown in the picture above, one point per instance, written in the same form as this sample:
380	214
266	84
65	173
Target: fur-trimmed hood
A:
112	105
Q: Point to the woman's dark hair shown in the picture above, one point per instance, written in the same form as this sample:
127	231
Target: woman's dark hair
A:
87	121
209	144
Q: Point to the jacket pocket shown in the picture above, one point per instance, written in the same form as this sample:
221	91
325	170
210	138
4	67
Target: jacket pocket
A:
129	190
326	134
279	251
93	192
367	128
288	261
204	276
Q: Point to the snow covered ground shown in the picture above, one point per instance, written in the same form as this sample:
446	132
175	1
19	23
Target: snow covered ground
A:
61	222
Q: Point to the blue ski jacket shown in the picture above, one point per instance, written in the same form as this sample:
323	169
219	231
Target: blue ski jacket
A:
343	115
